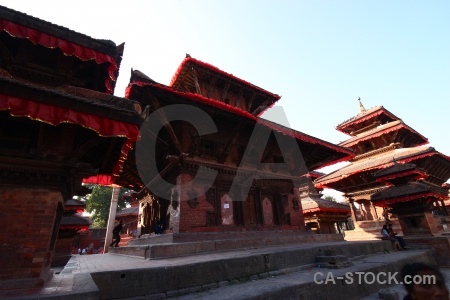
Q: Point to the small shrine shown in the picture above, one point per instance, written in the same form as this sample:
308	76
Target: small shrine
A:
322	215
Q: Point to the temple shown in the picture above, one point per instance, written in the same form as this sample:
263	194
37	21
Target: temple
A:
210	165
59	124
243	175
392	170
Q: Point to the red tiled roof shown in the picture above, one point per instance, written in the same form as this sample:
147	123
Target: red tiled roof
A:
396	168
366	115
74	205
380	130
129	211
74	202
407	192
310	205
67	46
277	127
217	70
73	220
379	161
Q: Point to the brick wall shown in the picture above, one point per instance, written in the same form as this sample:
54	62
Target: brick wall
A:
28	217
296	214
193	204
63	251
418	224
440	247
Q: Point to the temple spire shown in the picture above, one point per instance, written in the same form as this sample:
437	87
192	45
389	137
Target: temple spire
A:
361	107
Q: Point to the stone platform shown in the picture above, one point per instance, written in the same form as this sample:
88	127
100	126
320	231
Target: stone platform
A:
176	244
269	272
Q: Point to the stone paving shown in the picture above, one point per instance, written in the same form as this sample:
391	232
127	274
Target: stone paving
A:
63	285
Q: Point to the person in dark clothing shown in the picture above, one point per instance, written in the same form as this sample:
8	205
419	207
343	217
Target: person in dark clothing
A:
116	234
159	228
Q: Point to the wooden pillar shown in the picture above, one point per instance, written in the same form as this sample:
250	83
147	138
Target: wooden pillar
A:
353	209
112	217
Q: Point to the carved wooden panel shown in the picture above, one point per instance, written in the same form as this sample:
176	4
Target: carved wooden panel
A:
211	218
210	196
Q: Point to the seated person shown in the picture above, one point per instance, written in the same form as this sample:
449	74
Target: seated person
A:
385	236
394	234
159	228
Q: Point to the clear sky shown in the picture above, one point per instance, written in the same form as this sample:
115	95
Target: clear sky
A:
320	56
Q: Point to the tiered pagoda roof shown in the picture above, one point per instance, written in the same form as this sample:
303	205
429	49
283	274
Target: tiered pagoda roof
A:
73	223
406	183
195	76
381	161
405	133
70	221
50	75
317	153
380	139
74	205
101	57
376	115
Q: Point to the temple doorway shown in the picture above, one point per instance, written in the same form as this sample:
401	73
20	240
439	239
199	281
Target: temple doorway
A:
249	210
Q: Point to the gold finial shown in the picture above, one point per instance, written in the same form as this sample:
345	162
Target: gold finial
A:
361	107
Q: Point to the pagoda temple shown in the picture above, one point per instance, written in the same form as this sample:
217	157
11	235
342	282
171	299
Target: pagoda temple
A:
244	175
380	140
59	124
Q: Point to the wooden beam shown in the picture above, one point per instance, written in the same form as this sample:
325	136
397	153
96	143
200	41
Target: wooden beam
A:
84	148
250	102
225	92
184	87
111	147
261	107
197	85
162	116
238	99
231	141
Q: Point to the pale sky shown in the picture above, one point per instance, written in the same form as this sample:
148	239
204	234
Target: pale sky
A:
320	56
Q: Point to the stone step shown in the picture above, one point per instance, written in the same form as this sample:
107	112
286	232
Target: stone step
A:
258	272
160	246
361	235
303	284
